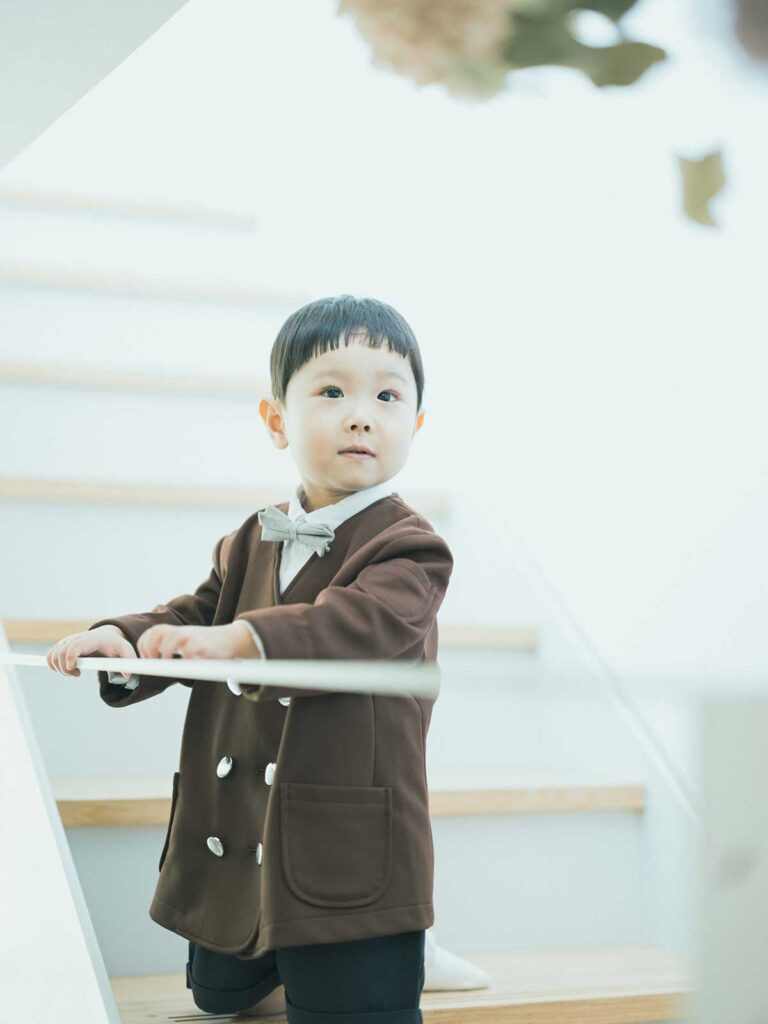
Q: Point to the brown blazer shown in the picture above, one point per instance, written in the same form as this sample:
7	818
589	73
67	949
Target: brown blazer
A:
302	816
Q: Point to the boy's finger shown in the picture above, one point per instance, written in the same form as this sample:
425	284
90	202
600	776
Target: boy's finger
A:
168	645
150	640
141	646
188	647
53	656
148	649
170	640
57	659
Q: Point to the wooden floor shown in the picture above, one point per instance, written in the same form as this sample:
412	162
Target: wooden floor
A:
597	986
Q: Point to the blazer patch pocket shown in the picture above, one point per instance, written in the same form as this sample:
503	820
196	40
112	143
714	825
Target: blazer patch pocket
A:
174	797
336	842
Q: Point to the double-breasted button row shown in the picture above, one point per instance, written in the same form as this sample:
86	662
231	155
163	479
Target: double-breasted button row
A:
224	767
222	770
234	686
216	846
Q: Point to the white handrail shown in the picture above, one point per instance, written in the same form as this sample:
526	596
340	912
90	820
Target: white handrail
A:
390	678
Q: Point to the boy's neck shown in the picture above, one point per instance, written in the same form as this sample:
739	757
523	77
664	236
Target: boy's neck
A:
319	501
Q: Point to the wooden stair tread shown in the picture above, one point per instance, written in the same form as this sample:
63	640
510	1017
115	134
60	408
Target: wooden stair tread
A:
105	378
151	286
137	802
549	986
51	490
635	975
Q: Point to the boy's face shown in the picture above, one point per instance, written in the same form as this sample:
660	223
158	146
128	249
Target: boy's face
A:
352	395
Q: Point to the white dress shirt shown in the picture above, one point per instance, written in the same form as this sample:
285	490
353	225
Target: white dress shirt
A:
295	554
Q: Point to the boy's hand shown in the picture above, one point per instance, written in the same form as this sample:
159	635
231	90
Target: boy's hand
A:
107	641
232	640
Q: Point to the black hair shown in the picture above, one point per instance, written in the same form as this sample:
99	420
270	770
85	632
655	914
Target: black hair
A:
318	326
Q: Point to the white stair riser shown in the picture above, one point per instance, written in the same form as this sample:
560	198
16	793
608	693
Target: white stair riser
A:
500	883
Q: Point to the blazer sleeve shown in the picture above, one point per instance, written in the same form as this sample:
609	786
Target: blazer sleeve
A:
197	609
384	613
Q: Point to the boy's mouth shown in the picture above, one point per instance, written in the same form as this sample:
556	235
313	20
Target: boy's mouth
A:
357	451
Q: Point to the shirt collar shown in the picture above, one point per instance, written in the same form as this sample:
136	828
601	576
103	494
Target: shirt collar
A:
335	514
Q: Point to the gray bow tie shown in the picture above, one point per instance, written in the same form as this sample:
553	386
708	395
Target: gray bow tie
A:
276	525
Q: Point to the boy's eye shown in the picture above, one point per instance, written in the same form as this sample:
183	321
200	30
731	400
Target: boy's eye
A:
333	387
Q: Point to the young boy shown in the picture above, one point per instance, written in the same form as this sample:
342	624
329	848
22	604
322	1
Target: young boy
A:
299	848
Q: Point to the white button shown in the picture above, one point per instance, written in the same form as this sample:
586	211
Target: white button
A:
224	767
269	772
259	853
285	701
216	845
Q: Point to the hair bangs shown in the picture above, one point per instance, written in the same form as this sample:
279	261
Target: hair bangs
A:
324	324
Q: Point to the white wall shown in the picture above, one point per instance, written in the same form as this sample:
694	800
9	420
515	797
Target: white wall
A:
53	51
594	361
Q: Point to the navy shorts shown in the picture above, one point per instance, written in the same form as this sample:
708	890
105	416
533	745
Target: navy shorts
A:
364	981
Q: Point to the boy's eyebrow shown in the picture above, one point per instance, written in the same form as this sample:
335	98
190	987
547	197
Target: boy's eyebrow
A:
341	373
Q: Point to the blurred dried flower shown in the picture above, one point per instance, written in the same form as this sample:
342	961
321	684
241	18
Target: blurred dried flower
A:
458	43
752	27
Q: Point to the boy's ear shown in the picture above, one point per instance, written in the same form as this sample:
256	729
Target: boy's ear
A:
271	411
419	422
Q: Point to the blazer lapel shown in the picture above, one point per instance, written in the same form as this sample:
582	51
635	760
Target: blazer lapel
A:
330	562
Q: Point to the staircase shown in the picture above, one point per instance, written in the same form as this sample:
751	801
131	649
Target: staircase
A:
560	860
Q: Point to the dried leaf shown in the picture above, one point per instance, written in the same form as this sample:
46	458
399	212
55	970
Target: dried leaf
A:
621	64
554	10
538	40
613	9
701	181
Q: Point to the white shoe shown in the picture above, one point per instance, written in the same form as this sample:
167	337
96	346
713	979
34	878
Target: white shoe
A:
446	972
270	1006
